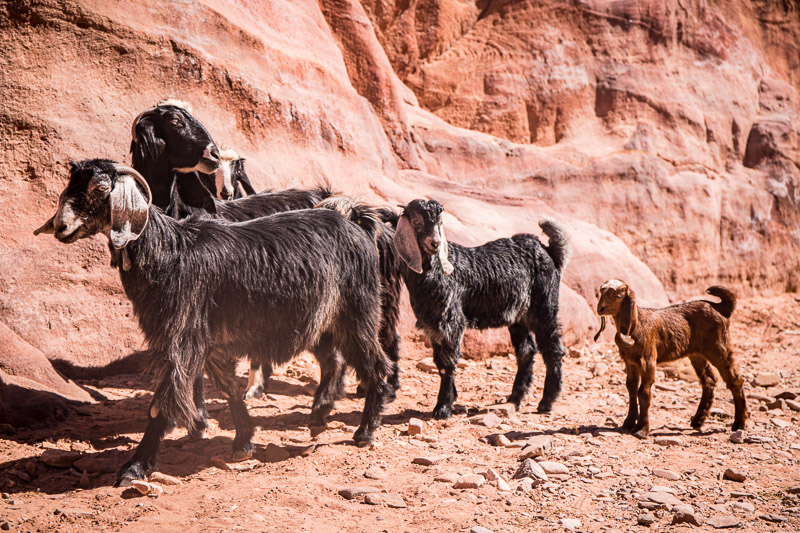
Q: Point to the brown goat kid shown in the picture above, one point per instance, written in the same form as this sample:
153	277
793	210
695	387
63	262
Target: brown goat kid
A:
645	337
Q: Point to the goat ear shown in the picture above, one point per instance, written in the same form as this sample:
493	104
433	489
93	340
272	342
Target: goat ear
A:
47	227
130	210
244	181
627	314
147	145
444	251
194	193
405	243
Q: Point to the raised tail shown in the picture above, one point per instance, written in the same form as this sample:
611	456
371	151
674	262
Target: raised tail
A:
558	247
355	211
727	302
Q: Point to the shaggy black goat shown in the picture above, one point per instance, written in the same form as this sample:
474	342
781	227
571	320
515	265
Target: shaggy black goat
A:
304	280
230	180
508	282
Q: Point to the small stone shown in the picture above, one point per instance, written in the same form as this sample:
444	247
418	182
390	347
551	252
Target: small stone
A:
164	479
666	474
480	529
777	404
146	488
490	420
394	501
5	526
531	469
374	472
766	379
415	426
734	474
652	506
685	514
59	458
783	424
351	493
552	467
757	439
659	488
723	521
793	405
775	518
84	482
737	437
91	465
503	410
598	369
469	481
428	460
737	494
447	477
502	485
786	395
665	440
499	440
662	498
646	519
428	365
525	485
275	454
570	523
747	507
76	512
794	490
536	446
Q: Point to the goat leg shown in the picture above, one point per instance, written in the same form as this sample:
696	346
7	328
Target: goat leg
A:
642	428
708	381
370	417
144	459
525	349
446	359
198	431
549	342
257	380
330	388
632	383
222	370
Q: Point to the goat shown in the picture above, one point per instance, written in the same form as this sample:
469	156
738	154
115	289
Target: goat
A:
188	195
230	179
304	280
645	337
508	282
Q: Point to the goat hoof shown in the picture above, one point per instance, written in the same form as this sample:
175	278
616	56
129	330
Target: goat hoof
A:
642	433
241	455
254	392
362	437
543	408
317	429
390	396
697	424
737	426
128	474
443	412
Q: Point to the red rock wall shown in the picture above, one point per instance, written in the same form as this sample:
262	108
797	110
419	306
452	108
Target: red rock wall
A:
662	134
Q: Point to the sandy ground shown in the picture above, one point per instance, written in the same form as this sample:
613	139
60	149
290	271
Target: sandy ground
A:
608	472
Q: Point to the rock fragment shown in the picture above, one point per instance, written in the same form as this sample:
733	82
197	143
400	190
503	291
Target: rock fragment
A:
766	379
59	458
645	519
480	529
489	420
148	489
723	521
666	474
553	467
531	469
164	479
351	493
469	481
394	501
737	437
734	474
536	446
415	426
668	440
427	460
570	524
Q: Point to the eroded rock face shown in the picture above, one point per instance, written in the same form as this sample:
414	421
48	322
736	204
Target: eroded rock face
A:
663	138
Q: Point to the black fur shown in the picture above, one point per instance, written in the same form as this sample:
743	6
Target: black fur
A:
304	280
508	282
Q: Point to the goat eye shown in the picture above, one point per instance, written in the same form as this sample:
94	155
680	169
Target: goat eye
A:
619	296
178	123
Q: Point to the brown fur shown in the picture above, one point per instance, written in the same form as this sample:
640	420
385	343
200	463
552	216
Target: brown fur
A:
645	337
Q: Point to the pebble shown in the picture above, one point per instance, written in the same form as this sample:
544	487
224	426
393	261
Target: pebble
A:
498	439
786	395
662	498
737	494
75	512
5	526
469	481
350	493
275	454
428	365
723	521
552	467
666	474
685	514
743	506
531	469
503	486
428	460
737	437
734	474
766	379
164	479
503	410
665	440
480	529
598	369
447	477
148	489
374	472
757	439
660	488
794	490
776	518
415	426
59	458
525	485
783	424
385	498
536	446
793	405
489	420
570	523
646	519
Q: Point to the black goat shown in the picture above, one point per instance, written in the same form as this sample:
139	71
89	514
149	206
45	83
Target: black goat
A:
508	282
304	280
188	195
230	180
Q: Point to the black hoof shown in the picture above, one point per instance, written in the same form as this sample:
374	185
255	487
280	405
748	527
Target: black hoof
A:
362	437
442	412
129	473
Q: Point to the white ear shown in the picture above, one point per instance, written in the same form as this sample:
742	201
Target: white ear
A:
129	211
447	266
405	243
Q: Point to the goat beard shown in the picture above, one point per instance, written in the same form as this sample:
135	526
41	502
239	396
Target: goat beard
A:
447	266
602	327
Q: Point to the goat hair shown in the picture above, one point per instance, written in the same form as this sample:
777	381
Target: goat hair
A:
508	282
645	337
304	280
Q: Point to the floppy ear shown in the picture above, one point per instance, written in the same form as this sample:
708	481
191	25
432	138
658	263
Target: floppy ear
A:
405	242
47	227
194	193
628	315
130	210
447	266
241	177
145	144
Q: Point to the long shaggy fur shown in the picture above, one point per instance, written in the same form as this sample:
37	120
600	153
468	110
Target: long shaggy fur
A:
508	282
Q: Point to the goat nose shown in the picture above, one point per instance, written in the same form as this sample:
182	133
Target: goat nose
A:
59	227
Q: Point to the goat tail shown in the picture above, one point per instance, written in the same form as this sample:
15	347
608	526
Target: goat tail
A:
558	248
727	302
360	213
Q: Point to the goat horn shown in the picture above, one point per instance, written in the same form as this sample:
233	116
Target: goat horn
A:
136	123
128	171
602	327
